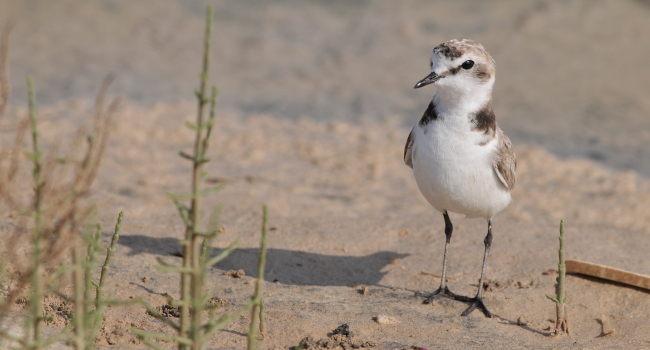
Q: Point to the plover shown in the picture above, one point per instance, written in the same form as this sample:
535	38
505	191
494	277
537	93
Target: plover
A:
462	161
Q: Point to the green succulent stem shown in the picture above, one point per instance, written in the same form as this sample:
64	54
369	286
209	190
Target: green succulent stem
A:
193	275
110	251
258	308
192	332
37	295
562	322
79	309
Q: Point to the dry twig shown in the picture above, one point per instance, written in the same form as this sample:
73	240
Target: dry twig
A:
608	273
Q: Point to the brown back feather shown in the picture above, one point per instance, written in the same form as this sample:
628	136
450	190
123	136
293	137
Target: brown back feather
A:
505	161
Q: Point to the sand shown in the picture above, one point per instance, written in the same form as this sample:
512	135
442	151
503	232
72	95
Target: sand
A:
345	211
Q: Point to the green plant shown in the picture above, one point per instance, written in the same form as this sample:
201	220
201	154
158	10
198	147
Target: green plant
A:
89	308
562	321
53	215
36	299
192	333
257	314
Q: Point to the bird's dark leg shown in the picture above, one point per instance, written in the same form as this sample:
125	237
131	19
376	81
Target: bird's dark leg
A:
478	300
443	290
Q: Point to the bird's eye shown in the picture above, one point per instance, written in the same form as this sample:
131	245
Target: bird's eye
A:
468	64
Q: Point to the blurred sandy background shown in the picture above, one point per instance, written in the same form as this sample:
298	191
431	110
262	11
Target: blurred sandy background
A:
572	76
316	101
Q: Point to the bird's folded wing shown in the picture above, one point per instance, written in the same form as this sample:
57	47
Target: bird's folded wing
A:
408	160
504	161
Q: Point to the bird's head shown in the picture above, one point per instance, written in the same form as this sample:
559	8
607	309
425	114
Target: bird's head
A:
461	66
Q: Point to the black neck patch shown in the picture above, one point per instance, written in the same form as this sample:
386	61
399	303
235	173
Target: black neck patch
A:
429	115
484	120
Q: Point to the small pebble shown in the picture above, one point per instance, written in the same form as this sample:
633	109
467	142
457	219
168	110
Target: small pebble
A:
385	319
235	274
364	290
523	322
607	326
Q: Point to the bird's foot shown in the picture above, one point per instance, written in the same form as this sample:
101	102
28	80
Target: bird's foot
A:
477	302
444	291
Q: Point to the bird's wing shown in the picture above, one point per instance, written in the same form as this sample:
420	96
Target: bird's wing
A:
428	116
408	158
504	161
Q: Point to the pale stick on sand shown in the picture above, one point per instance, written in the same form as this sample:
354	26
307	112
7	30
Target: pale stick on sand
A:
436	275
608	273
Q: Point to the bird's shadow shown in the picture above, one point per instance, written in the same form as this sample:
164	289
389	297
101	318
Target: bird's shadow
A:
282	265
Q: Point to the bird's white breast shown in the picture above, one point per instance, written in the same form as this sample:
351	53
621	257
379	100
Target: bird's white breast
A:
453	171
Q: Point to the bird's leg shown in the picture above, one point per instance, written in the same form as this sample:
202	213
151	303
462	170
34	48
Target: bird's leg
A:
443	290
478	300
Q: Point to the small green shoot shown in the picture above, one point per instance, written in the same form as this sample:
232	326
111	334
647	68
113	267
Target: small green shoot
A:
562	321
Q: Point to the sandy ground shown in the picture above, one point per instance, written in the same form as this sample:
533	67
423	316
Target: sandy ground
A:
345	211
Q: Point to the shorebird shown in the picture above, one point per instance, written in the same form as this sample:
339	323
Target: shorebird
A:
462	161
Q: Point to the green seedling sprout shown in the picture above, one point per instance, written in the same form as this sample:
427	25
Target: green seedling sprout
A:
89	308
562	321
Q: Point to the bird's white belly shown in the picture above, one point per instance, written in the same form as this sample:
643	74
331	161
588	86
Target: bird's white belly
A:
457	175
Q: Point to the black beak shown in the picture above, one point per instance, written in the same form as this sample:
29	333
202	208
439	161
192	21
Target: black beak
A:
431	78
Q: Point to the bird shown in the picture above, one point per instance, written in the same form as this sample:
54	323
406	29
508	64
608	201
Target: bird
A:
461	160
